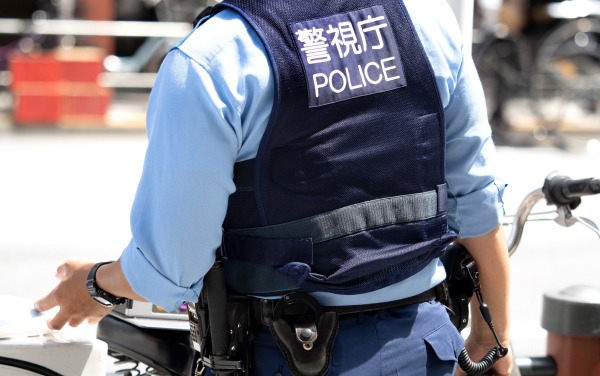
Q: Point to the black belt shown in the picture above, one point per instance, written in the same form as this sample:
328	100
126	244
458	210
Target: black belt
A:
262	309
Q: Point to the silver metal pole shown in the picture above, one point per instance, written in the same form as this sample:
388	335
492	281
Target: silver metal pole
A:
141	29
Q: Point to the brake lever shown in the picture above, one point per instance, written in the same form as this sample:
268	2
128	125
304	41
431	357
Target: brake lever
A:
567	219
589	224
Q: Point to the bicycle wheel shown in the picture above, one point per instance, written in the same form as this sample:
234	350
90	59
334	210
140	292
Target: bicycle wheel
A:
16	367
565	83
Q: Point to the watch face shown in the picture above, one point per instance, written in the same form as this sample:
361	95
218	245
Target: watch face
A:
102	301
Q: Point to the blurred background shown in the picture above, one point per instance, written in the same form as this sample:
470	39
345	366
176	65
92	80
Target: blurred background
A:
538	62
75	77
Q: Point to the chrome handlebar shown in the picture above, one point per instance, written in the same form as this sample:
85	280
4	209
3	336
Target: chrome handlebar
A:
521	217
565	217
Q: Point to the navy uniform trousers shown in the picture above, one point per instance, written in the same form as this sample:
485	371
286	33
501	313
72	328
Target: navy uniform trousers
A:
417	340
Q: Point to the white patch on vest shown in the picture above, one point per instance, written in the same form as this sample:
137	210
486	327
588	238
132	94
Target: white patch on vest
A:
335	49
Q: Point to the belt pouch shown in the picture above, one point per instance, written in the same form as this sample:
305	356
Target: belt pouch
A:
305	355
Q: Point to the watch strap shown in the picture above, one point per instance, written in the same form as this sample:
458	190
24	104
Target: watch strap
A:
95	291
92	274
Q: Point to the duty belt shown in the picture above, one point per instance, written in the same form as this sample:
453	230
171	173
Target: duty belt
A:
263	309
303	330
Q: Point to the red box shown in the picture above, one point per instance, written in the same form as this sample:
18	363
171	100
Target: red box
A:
25	68
50	103
37	103
59	87
80	71
85	99
81	64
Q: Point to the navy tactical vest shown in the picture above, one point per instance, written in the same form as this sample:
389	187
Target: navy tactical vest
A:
347	193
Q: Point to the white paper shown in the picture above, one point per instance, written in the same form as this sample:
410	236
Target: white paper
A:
18	318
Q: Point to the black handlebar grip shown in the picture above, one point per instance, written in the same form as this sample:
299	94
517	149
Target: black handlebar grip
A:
562	190
581	187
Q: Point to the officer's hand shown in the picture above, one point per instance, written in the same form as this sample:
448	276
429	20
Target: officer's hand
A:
477	351
72	296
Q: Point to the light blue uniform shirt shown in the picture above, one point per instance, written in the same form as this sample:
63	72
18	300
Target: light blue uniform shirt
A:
209	108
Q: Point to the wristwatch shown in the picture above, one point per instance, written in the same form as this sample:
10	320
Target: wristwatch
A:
105	298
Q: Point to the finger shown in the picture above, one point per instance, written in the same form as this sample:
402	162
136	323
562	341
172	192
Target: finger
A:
59	320
46	303
62	271
94	320
75	322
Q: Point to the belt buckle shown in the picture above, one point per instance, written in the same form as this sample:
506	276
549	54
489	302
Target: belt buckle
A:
196	372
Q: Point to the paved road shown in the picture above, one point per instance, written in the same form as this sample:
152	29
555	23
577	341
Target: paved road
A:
68	194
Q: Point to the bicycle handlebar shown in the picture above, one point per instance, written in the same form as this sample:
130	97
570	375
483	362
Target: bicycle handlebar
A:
559	190
521	217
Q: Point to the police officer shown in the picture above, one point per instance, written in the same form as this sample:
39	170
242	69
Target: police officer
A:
366	92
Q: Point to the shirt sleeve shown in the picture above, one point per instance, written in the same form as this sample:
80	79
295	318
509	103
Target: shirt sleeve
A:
475	204
208	110
193	127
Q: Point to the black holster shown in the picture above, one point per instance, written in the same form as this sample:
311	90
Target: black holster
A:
460	286
220	327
